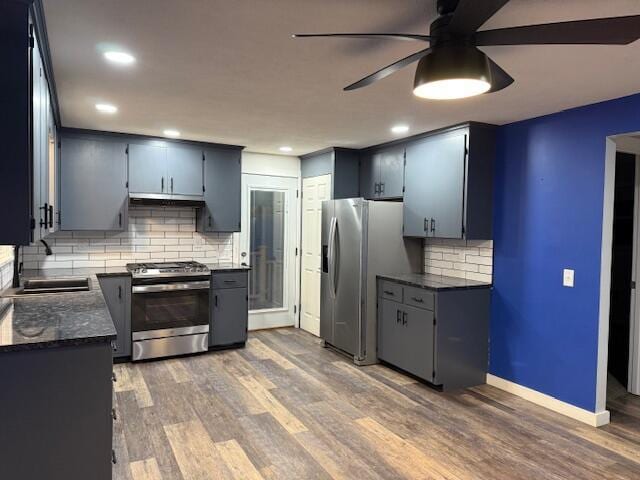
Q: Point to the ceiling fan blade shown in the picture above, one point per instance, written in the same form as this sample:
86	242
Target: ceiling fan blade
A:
597	31
472	14
375	36
388	70
499	78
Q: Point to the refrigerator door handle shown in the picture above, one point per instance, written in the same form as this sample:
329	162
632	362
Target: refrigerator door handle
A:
331	256
336	258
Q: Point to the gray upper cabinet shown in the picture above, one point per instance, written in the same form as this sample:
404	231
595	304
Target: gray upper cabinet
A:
391	161
184	170
44	153
343	164
382	173
148	168
222	177
449	184
368	177
157	168
93	183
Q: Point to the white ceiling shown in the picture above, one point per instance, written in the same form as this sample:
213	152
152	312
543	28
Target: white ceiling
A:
227	71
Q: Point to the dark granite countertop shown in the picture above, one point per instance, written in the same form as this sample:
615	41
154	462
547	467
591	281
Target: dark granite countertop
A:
49	320
434	282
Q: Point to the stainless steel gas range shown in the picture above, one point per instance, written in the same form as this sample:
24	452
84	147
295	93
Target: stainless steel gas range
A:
169	308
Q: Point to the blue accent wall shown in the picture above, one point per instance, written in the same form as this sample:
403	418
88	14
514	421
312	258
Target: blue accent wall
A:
548	216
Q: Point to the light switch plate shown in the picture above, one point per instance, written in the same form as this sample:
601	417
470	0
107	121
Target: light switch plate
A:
567	277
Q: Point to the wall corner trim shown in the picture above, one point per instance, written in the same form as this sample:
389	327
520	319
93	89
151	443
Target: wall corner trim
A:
596	419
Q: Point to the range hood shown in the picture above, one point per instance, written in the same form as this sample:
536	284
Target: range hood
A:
166	199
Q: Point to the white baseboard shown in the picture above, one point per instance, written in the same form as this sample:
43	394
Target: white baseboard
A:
596	419
261	324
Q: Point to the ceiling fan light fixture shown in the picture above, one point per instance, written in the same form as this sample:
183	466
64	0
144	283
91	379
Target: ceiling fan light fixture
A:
449	73
452	88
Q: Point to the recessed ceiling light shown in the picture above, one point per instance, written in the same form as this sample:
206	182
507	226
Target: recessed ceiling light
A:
399	129
286	149
106	108
121	58
171	133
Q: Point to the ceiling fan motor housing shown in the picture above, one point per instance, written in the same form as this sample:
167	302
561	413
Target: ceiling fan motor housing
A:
453	61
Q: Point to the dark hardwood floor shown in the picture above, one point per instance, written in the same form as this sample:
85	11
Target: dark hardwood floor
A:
286	408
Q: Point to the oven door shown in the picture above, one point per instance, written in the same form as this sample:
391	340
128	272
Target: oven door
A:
169	309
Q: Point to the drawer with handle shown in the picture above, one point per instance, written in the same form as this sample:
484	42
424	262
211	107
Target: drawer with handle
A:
228	280
419	297
392	291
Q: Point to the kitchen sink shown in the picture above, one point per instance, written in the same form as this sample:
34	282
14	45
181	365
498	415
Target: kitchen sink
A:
55	285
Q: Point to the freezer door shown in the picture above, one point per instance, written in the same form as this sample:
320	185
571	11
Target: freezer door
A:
327	296
346	256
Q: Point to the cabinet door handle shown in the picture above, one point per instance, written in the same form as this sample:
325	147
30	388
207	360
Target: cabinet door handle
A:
113	377
433	225
114	347
398	312
120	292
417	300
50	216
387	292
382	187
215	300
162	184
209	220
113	414
113	456
120	219
404	318
171	184
426	227
45	223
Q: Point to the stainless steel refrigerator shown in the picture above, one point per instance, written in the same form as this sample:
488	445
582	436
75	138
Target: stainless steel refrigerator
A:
360	239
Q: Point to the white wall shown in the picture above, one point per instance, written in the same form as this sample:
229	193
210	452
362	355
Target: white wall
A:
274	165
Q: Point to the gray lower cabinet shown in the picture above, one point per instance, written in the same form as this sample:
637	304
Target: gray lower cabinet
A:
56	413
229	309
438	336
382	173
449	184
222	179
93	183
117	294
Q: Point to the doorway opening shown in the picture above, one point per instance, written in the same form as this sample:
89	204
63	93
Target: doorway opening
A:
621	269
623	357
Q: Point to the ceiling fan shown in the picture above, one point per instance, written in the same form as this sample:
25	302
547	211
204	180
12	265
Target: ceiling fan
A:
453	67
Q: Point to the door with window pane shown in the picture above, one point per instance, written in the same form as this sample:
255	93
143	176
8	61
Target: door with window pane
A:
268	247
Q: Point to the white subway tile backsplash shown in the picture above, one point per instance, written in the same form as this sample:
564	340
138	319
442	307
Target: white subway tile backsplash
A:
472	259
154	234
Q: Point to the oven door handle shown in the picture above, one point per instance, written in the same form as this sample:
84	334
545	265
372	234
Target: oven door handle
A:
170	287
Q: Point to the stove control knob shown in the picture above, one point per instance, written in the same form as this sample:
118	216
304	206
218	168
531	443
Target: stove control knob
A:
144	270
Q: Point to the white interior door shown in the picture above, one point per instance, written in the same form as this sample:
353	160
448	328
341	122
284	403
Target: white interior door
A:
314	191
267	244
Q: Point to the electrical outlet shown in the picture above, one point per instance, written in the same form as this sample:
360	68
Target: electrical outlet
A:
567	277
